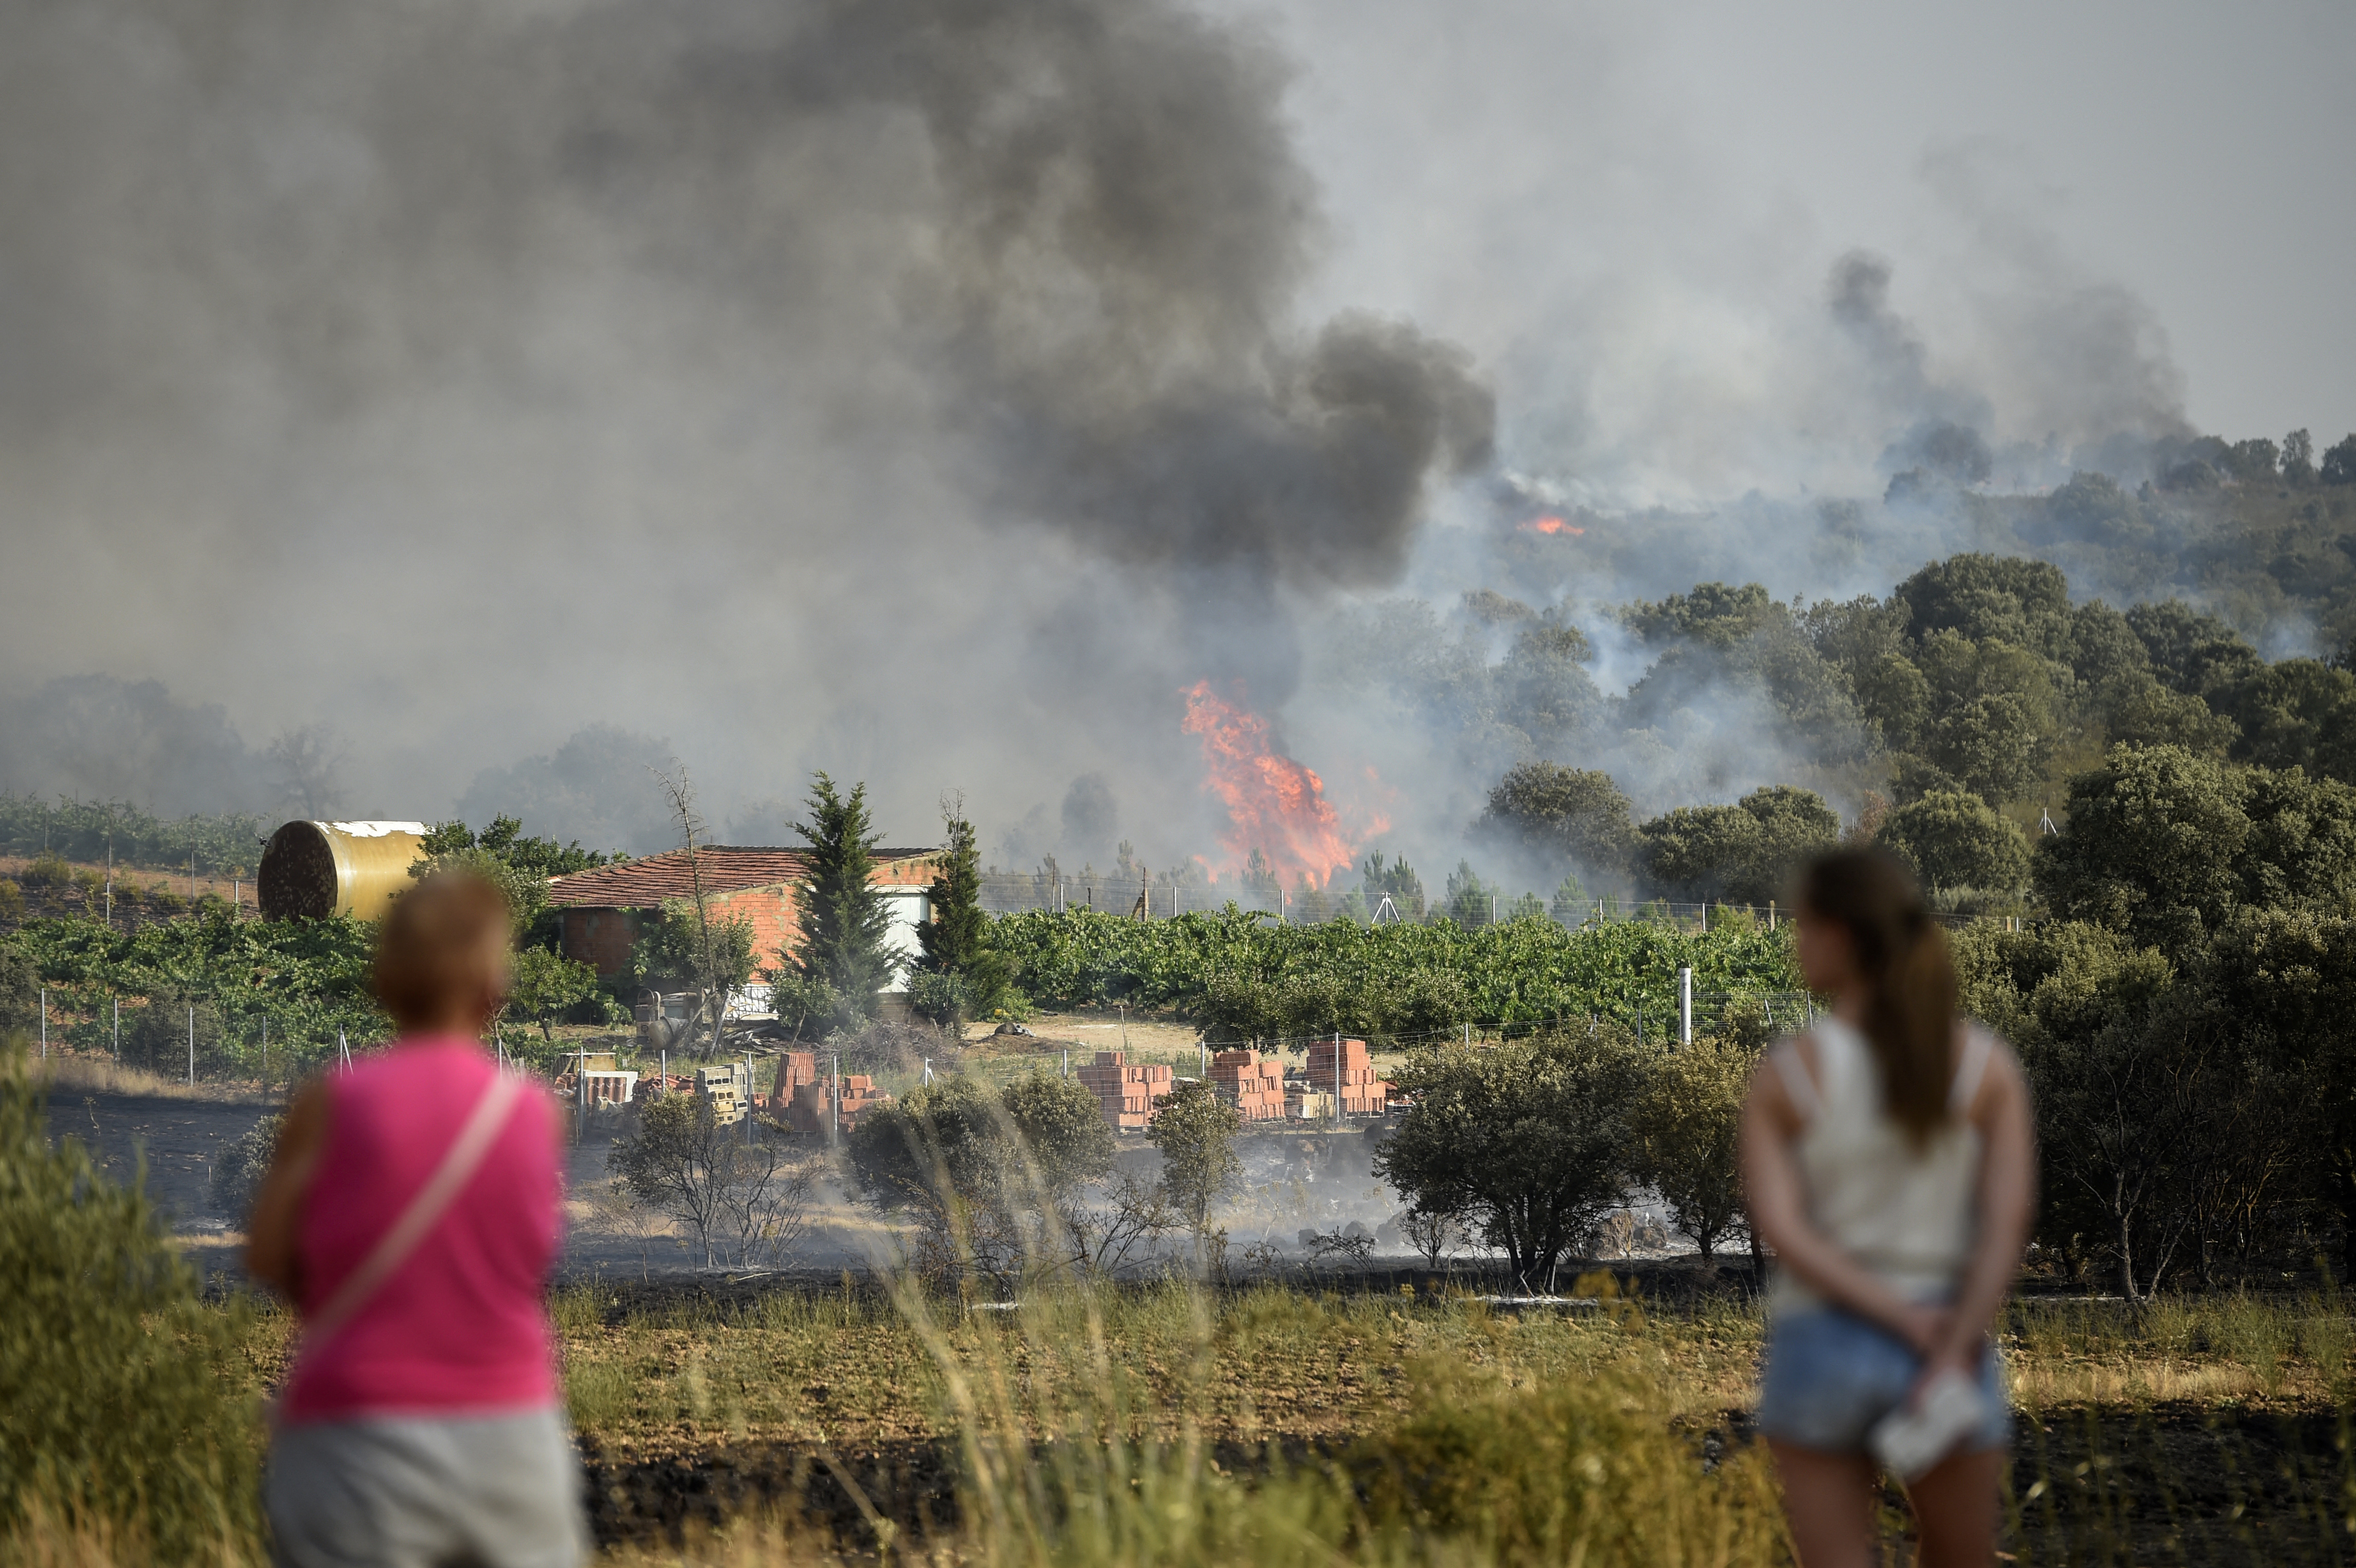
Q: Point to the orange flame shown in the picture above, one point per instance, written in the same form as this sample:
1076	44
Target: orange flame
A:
1275	804
1551	525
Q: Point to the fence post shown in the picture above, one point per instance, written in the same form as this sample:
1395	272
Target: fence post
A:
1684	1006
118	1030
45	1023
192	1045
265	1056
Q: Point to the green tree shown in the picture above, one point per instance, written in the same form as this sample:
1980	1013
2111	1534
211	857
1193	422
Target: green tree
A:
678	949
1469	898
2007	599
956	941
1567	816
1196	1132
544	984
2339	465
1995	712
844	917
1685	1122
1530	1139
2151	846
1956	840
1744	853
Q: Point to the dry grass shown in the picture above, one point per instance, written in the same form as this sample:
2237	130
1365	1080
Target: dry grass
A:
101	1075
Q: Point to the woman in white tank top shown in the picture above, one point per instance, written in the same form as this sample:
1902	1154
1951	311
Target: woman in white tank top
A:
1887	1156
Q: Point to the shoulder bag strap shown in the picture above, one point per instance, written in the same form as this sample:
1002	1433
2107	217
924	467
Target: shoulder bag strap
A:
459	1163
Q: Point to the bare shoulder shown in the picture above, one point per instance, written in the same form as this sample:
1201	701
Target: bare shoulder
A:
2003	1086
1771	1081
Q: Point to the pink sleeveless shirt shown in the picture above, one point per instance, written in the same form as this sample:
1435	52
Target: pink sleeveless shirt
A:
460	1327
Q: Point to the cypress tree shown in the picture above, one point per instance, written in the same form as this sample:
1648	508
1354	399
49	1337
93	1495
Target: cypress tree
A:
956	939
844	918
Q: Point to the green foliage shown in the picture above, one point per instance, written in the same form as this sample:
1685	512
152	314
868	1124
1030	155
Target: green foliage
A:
20	990
1744	853
84	830
1531	1140
1956	840
960	975
307	978
1567	816
1685	1122
844	918
129	1403
1469	898
740	1189
238	1169
172	1032
545	984
1396	882
678	951
1388	980
505	839
1196	1132
2161	844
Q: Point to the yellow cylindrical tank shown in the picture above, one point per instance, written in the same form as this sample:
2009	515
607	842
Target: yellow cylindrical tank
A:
313	870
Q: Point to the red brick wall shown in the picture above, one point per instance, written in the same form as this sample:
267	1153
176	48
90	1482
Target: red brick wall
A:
602	937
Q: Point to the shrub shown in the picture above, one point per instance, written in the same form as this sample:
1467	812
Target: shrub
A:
238	1173
130	1404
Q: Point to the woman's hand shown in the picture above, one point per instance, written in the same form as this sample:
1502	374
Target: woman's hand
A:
1923	1326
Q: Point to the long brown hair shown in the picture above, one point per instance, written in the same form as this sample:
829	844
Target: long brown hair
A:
1910	983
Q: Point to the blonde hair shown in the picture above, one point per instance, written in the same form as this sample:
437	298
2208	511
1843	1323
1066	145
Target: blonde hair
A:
1902	953
436	947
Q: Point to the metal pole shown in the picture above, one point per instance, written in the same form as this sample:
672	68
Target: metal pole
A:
1685	1007
343	1049
192	1045
1337	1077
118	1030
1468	1036
265	1053
836	1110
45	1023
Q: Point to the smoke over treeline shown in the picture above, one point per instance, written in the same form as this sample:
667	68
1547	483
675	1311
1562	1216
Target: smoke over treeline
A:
486	402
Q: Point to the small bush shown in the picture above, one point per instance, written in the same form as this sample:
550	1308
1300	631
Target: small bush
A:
238	1173
48	871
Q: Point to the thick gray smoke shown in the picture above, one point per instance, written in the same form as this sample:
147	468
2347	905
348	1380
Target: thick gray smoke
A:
487	400
786	378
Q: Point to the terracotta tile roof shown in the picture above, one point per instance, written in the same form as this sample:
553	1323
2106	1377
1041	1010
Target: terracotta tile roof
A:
643	883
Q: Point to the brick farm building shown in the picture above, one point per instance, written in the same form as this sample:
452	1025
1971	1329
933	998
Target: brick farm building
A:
606	906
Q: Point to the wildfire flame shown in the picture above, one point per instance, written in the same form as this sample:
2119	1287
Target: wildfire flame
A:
1275	804
1551	525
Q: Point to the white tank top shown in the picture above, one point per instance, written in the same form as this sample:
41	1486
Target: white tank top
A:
1907	1216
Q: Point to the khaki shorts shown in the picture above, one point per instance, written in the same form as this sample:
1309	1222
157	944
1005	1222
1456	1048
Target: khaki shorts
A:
500	1491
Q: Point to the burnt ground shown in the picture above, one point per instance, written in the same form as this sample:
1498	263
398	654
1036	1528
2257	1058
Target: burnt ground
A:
2165	1485
178	1139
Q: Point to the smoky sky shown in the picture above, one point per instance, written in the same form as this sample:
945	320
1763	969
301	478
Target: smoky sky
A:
929	391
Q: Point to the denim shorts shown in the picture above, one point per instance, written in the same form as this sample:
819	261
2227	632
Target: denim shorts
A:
1830	1375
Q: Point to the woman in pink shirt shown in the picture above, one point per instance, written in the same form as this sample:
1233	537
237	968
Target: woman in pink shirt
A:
412	1214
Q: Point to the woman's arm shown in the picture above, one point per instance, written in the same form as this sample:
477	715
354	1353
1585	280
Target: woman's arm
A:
271	1253
2006	1203
1774	1195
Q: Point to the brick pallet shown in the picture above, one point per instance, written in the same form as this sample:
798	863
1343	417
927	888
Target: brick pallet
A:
1126	1093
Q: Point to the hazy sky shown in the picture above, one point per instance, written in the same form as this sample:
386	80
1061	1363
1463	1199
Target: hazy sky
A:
2196	154
752	377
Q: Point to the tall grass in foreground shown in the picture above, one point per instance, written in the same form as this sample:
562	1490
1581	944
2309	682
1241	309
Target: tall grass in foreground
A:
1072	1452
127	1422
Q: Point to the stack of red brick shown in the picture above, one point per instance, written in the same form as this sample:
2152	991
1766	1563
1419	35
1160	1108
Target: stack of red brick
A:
795	1068
812	1109
1253	1087
1362	1092
1128	1094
